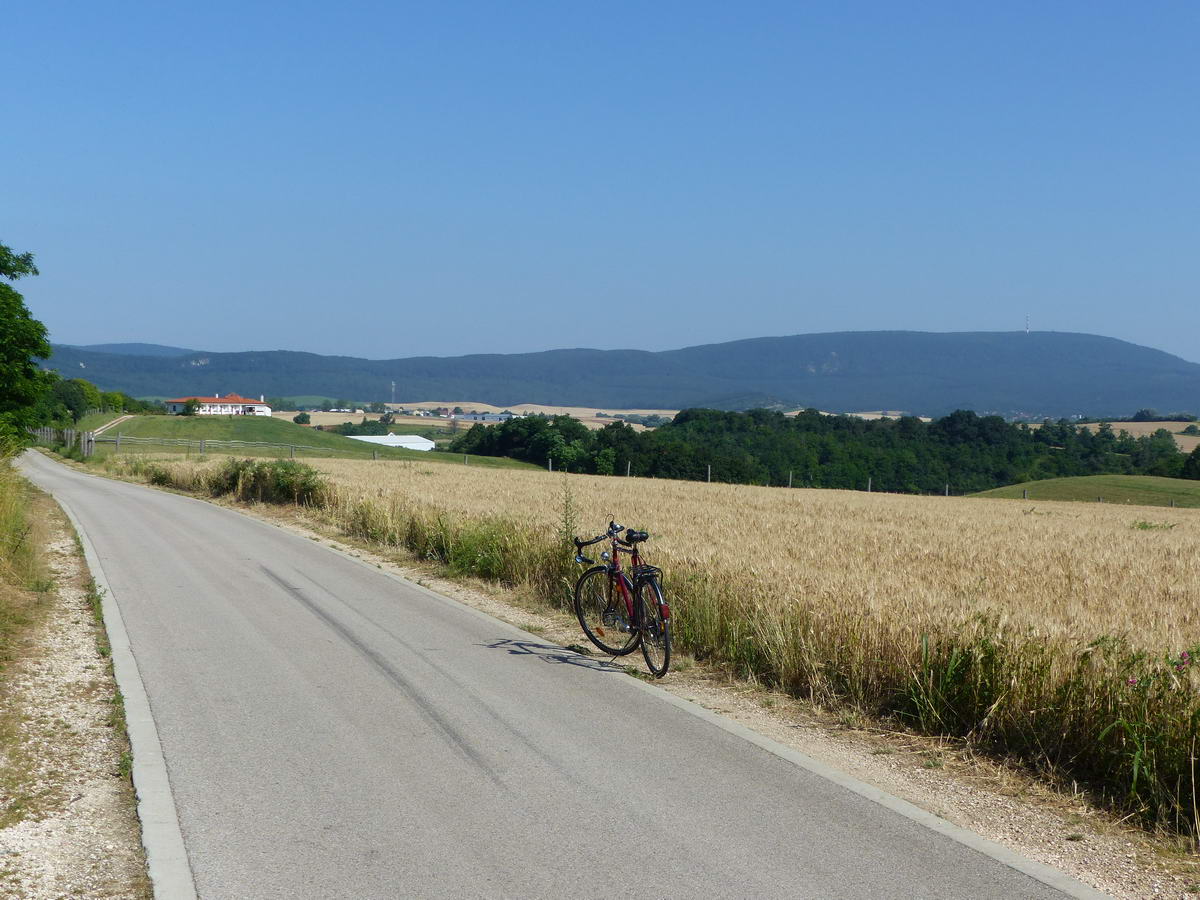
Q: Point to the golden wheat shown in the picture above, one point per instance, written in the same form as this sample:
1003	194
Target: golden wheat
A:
1062	570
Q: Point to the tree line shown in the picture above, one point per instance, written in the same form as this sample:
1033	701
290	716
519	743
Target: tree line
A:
964	451
29	396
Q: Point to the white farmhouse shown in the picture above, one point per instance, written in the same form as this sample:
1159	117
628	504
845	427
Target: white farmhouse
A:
403	441
229	405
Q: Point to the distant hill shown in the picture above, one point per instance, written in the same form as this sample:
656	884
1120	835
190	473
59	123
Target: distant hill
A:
134	349
1012	373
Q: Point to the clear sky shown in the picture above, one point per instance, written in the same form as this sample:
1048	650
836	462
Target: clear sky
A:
394	179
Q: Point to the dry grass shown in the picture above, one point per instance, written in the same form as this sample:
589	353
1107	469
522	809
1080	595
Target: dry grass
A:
1052	632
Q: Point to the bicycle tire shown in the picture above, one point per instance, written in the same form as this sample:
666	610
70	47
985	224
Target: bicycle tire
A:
602	615
654	627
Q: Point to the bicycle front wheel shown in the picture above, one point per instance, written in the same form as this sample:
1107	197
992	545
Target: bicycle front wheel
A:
600	606
655	621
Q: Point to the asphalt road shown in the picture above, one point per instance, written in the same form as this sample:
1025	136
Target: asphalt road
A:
332	731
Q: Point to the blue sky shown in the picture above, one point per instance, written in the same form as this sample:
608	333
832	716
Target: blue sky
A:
389	179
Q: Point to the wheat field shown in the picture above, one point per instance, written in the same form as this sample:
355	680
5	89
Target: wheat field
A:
1057	633
1062	570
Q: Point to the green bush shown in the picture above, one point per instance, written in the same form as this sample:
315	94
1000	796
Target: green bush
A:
268	481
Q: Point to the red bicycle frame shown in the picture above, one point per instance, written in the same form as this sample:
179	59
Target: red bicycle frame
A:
616	573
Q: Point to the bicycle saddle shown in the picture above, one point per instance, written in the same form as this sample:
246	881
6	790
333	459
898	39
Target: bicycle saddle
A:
635	537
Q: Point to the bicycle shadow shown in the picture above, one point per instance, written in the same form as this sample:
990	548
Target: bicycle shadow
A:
551	653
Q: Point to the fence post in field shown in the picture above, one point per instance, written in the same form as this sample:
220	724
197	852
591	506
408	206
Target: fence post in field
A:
1099	499
1024	493
710	472
292	448
868	485
550	463
202	447
374	454
465	462
628	466
118	450
1172	502
947	490
789	477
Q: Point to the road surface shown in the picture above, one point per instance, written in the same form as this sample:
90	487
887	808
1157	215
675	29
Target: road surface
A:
330	730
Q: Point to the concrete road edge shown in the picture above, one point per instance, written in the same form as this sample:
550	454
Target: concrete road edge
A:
166	856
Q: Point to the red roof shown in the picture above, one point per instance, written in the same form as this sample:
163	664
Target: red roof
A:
228	398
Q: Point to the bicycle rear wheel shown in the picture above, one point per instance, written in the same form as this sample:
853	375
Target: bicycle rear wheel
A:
600	607
655	625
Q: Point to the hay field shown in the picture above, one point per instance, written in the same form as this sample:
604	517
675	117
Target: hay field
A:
328	418
585	414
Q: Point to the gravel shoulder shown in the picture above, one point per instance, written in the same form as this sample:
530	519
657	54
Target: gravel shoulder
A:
68	800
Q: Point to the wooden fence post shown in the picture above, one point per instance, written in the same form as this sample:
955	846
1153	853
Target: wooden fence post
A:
710	472
1024	493
868	485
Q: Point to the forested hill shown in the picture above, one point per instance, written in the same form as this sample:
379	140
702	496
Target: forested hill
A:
1042	373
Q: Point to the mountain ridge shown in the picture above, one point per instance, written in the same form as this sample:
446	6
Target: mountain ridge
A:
929	373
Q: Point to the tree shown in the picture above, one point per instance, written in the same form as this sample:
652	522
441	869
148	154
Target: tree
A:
190	406
16	265
1191	467
23	340
302	419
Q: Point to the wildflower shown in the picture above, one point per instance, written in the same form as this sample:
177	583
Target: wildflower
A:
1132	681
1186	657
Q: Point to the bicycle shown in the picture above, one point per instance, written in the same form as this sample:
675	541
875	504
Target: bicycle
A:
617	612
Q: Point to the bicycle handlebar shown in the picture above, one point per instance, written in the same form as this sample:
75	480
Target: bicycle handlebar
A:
614	533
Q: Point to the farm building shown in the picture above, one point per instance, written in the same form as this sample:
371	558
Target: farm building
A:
229	405
403	441
485	417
